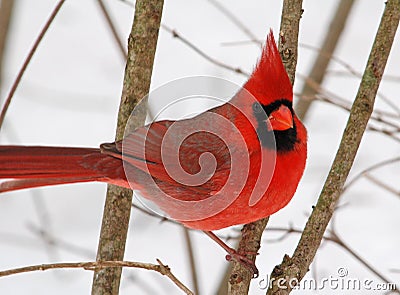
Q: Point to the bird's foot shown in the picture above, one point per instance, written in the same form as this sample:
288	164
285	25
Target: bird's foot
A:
243	260
235	255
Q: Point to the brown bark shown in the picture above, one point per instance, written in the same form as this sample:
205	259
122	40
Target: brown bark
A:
141	50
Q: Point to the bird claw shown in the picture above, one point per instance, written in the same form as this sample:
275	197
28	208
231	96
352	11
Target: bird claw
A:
235	255
243	260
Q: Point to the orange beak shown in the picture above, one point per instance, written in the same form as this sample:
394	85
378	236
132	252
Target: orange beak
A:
280	119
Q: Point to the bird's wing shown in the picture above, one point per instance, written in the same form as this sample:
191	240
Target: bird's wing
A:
186	153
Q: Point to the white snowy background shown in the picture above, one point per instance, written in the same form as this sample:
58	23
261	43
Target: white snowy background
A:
69	96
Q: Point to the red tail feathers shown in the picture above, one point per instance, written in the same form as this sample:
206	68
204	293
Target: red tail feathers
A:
34	166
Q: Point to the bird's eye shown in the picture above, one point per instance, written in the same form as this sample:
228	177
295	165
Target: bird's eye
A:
257	107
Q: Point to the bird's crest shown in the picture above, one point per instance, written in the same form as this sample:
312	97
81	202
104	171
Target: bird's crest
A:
269	80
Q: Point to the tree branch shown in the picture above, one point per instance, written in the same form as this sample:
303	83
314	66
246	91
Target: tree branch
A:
6	14
141	50
95	266
295	267
289	35
250	242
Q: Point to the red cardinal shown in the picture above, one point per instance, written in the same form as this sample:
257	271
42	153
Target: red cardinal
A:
234	164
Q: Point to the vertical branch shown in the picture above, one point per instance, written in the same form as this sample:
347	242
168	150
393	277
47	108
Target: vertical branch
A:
293	269
6	9
141	50
239	280
321	62
289	35
250	243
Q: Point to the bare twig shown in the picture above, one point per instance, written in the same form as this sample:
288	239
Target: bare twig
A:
166	271
192	263
333	237
53	241
378	116
44	230
329	55
349	71
238	23
295	267
131	4
155	215
383	185
214	61
390	133
97	265
113	29
321	63
27	60
388	78
369	169
142	45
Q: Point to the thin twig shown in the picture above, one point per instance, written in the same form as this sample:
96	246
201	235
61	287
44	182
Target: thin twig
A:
236	21
44	230
131	4
28	59
369	169
390	133
192	262
97	265
113	29
321	62
328	96
53	241
349	70
166	271
383	185
378	115
214	61
152	214
344	74
333	237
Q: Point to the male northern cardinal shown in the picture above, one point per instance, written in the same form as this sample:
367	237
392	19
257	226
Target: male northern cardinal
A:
258	147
